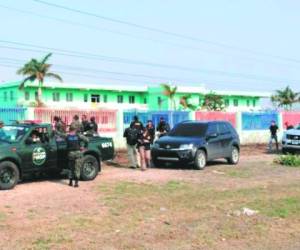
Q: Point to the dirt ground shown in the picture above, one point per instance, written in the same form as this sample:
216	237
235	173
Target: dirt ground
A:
174	208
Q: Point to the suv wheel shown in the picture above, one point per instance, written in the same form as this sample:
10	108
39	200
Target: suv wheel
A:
200	160
9	175
90	168
234	156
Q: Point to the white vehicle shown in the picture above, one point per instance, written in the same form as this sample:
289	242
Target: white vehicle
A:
291	140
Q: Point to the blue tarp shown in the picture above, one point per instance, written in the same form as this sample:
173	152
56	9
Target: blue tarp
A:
258	121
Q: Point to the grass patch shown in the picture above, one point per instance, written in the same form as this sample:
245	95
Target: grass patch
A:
2	217
239	173
288	160
53	239
282	208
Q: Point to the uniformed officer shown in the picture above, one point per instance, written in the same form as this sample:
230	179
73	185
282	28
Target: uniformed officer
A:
74	147
76	124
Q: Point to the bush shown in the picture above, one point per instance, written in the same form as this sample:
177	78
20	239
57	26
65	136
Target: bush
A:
288	160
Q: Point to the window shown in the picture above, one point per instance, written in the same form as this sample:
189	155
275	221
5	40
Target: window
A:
69	97
248	103
131	99
236	102
105	98
227	102
55	97
159	101
223	129
85	97
95	98
145	100
254	103
5	96
11	95
27	96
189	130
36	95
212	129
120	99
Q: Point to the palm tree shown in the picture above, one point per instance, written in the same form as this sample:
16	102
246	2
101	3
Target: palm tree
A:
184	101
213	102
37	70
285	98
170	93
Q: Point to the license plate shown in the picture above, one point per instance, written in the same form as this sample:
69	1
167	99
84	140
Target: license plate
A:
295	142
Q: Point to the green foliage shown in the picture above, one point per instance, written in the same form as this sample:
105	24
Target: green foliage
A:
213	102
285	98
184	102
288	160
169	92
37	70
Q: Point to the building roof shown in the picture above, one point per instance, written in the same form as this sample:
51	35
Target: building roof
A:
136	88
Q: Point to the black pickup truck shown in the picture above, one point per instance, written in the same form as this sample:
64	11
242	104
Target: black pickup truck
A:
33	148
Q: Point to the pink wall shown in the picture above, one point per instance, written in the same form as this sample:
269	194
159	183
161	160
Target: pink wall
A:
211	116
106	119
292	118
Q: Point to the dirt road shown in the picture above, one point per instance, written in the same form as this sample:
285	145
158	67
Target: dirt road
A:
159	208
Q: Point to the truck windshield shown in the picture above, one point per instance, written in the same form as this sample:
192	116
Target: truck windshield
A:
12	133
189	130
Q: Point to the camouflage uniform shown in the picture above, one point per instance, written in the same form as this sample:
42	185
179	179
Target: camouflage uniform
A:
75	156
77	126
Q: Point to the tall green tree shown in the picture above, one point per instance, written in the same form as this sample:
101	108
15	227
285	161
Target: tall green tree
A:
285	98
37	70
213	102
170	92
185	102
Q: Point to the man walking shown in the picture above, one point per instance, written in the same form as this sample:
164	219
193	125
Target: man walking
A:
74	147
273	130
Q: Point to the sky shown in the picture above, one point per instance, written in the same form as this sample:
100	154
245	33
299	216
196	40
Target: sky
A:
222	44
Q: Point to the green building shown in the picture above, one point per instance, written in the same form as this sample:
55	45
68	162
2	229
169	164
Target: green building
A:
86	96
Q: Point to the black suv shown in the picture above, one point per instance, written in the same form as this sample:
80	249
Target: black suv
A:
197	142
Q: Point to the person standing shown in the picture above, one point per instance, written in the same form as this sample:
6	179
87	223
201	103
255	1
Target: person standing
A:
59	126
163	127
93	126
85	123
143	145
131	134
151	130
74	148
273	131
137	124
76	124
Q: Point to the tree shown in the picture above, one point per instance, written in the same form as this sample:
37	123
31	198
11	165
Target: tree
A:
285	98
213	102
37	70
170	92
184	101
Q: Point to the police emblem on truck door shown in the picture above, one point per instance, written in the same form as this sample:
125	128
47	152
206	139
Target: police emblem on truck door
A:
39	156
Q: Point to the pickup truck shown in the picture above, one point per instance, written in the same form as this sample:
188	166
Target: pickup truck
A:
291	141
23	153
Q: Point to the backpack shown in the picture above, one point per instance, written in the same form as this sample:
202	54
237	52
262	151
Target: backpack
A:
132	136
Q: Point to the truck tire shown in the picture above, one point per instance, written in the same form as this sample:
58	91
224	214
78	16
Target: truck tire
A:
234	157
90	168
9	175
200	160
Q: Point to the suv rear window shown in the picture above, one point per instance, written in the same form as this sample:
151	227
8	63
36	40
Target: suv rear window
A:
189	130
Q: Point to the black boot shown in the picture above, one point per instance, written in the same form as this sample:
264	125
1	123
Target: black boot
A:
71	182
76	183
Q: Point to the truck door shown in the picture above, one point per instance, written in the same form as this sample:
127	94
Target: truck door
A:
39	150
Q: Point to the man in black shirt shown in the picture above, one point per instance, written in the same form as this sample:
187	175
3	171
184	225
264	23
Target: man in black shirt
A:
163	127
273	130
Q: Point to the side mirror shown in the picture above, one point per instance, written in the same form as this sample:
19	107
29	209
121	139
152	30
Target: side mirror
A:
212	136
28	141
